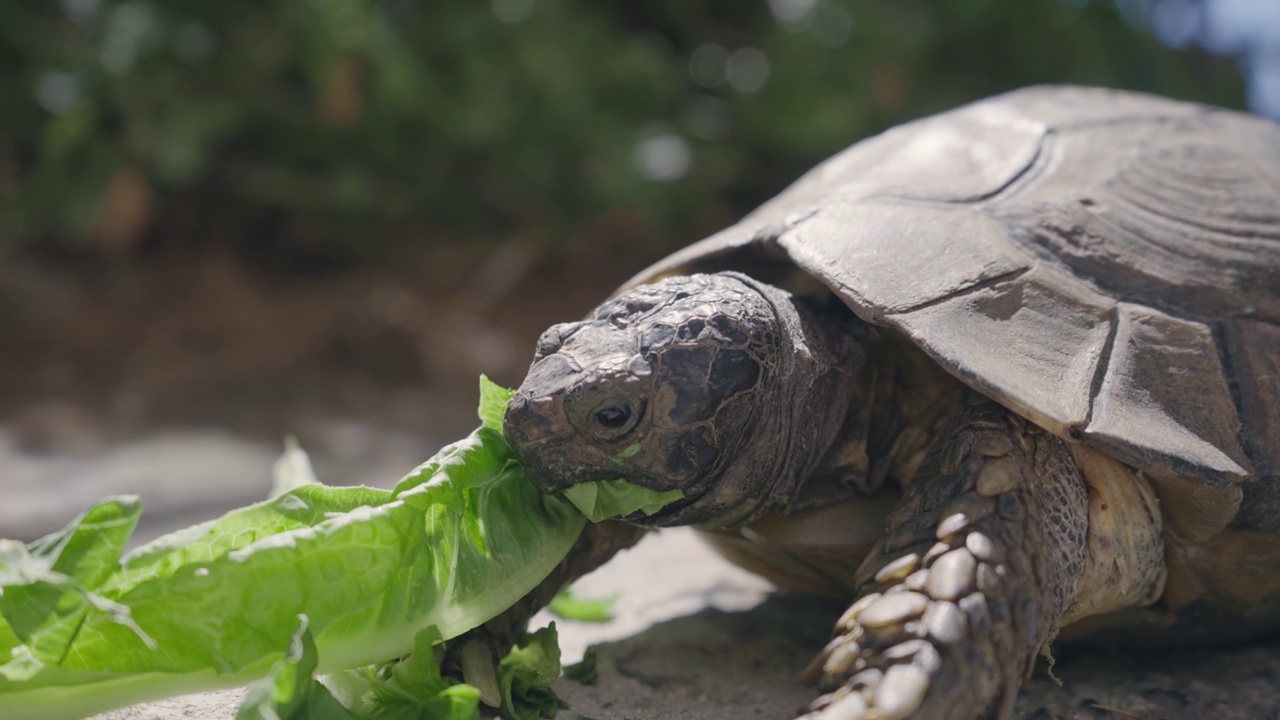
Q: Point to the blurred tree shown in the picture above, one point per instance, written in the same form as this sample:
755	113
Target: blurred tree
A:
348	130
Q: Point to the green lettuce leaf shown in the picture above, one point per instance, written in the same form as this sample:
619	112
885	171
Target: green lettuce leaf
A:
458	541
414	687
314	580
493	403
569	606
606	499
525	676
290	691
48	586
411	688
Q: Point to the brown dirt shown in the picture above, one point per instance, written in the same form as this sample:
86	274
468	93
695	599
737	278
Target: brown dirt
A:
103	353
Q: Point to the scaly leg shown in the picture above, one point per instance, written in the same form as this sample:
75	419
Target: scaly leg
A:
981	559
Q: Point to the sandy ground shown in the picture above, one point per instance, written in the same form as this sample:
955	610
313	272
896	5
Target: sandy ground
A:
693	637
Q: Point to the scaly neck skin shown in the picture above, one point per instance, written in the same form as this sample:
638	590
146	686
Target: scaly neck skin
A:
921	400
802	414
900	401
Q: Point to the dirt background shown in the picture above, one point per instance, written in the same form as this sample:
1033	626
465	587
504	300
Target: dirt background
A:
98	354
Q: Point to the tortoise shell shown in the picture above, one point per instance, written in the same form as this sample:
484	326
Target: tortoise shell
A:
1104	263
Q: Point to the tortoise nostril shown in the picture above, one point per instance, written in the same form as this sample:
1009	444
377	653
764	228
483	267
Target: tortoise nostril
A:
548	343
525	422
553	339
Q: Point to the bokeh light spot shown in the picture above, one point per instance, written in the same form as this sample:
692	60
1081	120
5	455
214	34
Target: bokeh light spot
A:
832	25
792	12
748	69
663	157
512	12
708	65
57	91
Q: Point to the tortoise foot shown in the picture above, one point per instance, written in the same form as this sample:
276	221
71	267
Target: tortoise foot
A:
982	558
924	647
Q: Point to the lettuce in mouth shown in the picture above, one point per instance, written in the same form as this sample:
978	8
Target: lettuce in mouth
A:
315	580
604	499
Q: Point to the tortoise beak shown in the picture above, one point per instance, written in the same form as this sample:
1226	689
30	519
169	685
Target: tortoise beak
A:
528	421
535	426
536	411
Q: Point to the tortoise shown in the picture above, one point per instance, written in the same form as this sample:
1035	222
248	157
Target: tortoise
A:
998	374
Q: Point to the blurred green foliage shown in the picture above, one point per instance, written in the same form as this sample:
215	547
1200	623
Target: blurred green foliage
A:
359	127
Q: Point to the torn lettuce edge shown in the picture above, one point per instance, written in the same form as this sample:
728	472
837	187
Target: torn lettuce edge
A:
605	499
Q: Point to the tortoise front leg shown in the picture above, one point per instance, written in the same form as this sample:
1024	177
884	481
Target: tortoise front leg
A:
982	558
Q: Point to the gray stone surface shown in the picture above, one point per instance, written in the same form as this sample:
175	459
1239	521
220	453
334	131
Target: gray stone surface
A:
184	476
219	705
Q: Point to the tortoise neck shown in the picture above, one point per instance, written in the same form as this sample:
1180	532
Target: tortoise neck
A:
820	410
897	403
849	407
812	380
914	400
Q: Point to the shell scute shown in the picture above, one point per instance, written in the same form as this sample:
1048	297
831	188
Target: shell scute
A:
1104	263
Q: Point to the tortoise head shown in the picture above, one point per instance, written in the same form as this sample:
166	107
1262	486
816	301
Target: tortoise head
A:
686	383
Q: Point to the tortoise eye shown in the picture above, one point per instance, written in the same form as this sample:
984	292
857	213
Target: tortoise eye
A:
614	416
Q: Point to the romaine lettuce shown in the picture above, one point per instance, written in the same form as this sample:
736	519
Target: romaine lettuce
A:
315	580
455	543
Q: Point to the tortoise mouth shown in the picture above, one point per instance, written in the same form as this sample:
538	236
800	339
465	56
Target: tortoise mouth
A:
701	510
669	516
549	463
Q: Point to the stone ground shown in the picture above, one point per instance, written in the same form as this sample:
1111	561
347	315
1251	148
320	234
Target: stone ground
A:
693	638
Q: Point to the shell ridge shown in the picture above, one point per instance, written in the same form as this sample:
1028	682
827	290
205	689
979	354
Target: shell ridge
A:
981	284
1137	414
1242	238
1100	370
1075	245
1231	373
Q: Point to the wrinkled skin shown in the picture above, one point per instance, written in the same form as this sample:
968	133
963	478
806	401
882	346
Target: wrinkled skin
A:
749	400
696	383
